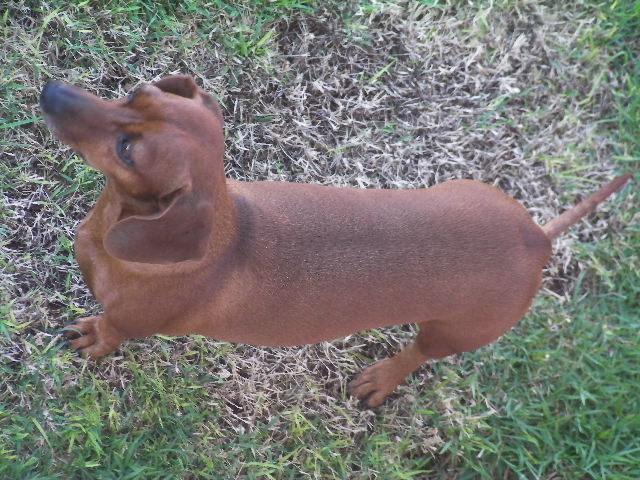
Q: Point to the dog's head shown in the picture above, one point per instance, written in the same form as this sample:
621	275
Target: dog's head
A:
161	149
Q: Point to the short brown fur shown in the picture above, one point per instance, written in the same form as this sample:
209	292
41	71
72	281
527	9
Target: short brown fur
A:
173	247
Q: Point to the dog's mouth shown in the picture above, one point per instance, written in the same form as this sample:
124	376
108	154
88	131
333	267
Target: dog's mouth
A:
52	125
58	134
62	134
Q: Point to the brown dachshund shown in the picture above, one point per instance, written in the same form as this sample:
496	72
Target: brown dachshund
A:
173	247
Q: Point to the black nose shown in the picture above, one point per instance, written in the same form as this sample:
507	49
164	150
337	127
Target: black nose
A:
58	98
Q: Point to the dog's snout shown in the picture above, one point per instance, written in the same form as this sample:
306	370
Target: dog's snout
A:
59	98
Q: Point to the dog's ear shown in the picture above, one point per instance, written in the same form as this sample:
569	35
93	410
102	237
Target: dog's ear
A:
181	232
182	85
185	86
211	103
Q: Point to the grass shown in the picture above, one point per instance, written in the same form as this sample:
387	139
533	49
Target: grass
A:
541	100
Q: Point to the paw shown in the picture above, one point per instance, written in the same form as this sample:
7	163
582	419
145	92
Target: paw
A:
92	337
375	382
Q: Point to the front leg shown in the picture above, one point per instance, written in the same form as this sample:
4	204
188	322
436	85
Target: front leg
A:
93	337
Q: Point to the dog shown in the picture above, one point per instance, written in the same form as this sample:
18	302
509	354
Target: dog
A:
173	247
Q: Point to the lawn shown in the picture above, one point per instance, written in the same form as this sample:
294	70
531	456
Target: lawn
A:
541	99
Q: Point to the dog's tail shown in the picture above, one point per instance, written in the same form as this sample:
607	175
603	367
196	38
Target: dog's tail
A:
559	224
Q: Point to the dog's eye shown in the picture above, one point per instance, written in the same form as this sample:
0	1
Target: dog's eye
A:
125	148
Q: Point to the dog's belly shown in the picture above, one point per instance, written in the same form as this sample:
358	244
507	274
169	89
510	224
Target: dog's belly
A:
310	312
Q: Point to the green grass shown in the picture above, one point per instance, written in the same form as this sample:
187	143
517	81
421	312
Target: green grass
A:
565	397
161	425
558	397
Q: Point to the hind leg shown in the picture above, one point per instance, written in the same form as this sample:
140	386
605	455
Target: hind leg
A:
380	379
436	339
